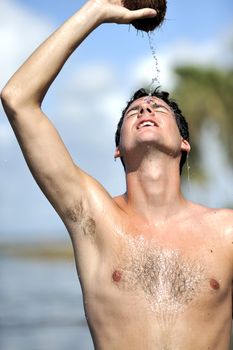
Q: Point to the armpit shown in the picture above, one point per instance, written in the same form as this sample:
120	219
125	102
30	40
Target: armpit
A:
77	215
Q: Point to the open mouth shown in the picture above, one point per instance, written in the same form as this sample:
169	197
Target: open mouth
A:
146	123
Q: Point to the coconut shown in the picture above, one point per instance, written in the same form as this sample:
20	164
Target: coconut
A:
147	24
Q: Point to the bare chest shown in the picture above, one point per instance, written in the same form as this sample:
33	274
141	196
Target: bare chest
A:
164	277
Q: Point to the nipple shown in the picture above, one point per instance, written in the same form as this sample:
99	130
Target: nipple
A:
214	284
116	276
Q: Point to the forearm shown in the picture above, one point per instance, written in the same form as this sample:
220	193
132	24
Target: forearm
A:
31	82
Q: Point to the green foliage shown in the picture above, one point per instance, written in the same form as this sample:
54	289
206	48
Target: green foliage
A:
205	96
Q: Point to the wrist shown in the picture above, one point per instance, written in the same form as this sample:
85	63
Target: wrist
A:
93	12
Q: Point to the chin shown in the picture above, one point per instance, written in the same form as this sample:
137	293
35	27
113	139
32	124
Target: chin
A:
156	144
149	138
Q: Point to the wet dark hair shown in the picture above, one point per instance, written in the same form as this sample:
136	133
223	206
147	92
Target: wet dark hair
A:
180	119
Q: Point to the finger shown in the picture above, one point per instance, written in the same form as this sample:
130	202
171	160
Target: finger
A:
143	13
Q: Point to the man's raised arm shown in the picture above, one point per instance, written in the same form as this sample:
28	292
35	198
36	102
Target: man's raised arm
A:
44	151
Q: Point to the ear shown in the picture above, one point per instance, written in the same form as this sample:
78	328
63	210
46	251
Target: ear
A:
117	153
185	145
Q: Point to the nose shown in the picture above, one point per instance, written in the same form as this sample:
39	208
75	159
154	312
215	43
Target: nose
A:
144	109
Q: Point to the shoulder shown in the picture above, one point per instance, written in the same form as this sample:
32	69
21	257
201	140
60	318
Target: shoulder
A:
207	211
222	216
215	217
217	225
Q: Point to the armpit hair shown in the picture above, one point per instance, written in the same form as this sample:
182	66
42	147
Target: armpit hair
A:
77	215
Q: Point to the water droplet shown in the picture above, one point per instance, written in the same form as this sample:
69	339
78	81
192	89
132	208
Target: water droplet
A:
188	172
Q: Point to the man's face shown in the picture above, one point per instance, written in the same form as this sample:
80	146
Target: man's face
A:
149	121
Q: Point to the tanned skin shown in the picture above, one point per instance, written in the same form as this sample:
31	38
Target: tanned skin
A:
155	269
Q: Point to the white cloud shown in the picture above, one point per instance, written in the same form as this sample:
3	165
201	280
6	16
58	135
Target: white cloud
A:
216	53
92	78
89	107
21	30
90	90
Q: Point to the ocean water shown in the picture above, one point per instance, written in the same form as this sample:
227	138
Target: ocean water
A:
41	306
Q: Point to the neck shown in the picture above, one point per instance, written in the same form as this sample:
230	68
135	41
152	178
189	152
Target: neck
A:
153	189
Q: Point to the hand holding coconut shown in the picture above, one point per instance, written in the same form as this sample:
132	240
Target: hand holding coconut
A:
117	11
148	24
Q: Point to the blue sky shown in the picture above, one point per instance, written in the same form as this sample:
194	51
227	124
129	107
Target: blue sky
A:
92	90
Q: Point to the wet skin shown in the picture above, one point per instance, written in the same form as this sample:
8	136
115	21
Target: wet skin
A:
164	288
152	284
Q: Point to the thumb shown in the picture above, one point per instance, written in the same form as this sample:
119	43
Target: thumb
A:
143	13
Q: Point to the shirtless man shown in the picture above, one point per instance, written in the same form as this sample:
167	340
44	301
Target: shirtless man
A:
155	269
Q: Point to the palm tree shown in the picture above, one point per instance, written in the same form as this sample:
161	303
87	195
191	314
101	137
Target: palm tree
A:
205	95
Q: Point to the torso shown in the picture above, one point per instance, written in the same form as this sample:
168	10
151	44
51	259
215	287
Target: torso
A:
157	289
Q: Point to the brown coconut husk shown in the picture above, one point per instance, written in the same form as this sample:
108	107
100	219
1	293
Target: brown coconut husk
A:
147	24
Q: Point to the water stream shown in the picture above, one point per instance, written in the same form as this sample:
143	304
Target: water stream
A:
155	78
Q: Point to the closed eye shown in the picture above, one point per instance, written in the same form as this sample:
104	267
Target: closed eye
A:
160	108
132	112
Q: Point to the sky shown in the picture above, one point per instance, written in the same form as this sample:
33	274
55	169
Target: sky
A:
86	100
